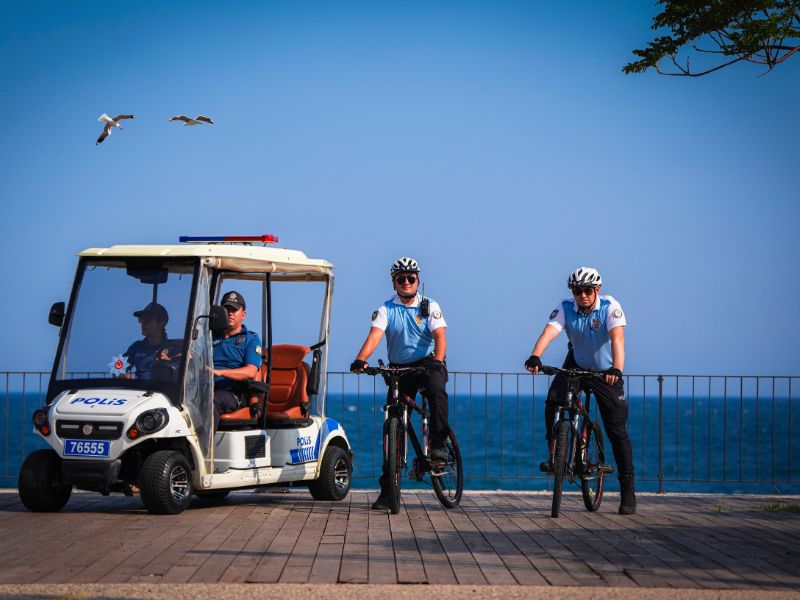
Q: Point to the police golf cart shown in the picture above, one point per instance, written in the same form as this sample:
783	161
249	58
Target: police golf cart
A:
115	424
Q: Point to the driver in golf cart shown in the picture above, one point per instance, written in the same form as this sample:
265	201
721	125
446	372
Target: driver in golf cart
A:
237	358
154	346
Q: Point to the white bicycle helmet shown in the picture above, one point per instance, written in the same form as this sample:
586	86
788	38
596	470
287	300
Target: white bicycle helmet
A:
584	277
404	265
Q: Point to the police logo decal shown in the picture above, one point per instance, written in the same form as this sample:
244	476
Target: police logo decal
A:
553	314
437	314
117	365
617	313
419	318
258	349
239	340
375	315
595	323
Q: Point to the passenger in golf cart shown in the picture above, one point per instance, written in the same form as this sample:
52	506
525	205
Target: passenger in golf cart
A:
237	358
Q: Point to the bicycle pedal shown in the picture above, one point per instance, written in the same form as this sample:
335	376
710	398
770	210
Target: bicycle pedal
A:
607	469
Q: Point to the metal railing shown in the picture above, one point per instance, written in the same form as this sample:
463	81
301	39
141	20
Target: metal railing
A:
689	432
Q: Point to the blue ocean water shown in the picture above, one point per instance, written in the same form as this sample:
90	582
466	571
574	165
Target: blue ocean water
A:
698	442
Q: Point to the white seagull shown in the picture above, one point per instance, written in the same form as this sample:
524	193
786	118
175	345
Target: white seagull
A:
188	121
109	123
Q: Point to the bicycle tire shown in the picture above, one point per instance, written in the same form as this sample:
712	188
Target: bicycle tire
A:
449	485
394	459
593	475
559	464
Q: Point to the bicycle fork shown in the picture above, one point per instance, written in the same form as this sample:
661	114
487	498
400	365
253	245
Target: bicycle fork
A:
404	420
573	448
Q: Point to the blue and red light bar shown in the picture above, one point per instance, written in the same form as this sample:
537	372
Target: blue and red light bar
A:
263	239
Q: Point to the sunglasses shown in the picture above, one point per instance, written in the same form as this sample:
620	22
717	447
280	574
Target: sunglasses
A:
582	291
144	319
406	278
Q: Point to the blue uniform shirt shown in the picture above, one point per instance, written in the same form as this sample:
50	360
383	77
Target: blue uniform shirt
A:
409	336
588	334
141	356
235	352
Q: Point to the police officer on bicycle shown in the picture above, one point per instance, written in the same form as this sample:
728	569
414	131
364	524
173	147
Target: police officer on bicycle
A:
415	336
595	326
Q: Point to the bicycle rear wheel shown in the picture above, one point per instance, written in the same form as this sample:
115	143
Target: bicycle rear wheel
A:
448	479
559	464
593	472
394	451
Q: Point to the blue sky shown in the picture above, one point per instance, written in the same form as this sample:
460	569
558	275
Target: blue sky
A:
496	142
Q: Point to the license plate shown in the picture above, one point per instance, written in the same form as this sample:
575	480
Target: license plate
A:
98	448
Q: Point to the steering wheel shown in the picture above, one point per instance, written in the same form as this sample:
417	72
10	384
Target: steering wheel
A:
164	370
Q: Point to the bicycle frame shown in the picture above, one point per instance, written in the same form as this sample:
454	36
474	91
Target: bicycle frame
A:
575	409
407	405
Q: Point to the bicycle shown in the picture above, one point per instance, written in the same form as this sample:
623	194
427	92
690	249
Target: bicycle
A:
576	444
447	478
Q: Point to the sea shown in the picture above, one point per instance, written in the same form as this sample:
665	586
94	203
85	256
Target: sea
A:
695	435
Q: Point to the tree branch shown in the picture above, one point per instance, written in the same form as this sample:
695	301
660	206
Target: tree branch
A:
687	73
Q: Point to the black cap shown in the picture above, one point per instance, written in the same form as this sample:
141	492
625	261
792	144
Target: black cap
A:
233	299
154	309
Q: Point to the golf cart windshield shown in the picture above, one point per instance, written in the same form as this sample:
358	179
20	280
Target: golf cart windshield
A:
127	323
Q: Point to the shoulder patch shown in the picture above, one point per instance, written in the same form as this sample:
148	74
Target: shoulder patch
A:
374	315
437	314
553	314
617	313
258	349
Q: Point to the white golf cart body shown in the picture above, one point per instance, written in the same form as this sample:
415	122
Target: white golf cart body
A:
94	409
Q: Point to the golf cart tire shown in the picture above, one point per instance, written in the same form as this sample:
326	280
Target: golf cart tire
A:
41	488
327	486
165	482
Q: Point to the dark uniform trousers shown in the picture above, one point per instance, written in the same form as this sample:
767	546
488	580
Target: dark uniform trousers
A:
613	408
225	401
432	383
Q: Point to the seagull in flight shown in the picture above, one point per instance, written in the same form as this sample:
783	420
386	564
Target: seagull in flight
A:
109	123
188	121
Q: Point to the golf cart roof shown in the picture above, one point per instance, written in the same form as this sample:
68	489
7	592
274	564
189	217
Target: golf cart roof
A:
233	257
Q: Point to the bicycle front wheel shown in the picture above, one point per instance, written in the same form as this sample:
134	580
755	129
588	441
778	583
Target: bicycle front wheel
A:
394	460
448	478
559	463
593	471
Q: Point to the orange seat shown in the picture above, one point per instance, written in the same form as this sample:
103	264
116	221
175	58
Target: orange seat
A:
288	397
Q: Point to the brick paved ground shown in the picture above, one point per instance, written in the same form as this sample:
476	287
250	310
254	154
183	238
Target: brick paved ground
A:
494	538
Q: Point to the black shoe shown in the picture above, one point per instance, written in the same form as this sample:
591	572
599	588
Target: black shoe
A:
382	502
627	503
546	466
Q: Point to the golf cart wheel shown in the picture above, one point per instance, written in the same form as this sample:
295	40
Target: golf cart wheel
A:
335	475
41	488
166	482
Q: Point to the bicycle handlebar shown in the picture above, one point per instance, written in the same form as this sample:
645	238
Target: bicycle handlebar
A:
393	372
574	373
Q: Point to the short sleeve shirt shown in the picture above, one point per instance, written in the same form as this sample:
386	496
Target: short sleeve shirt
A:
588	334
408	334
235	352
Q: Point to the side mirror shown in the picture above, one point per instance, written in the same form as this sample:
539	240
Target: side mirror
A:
218	319
56	316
